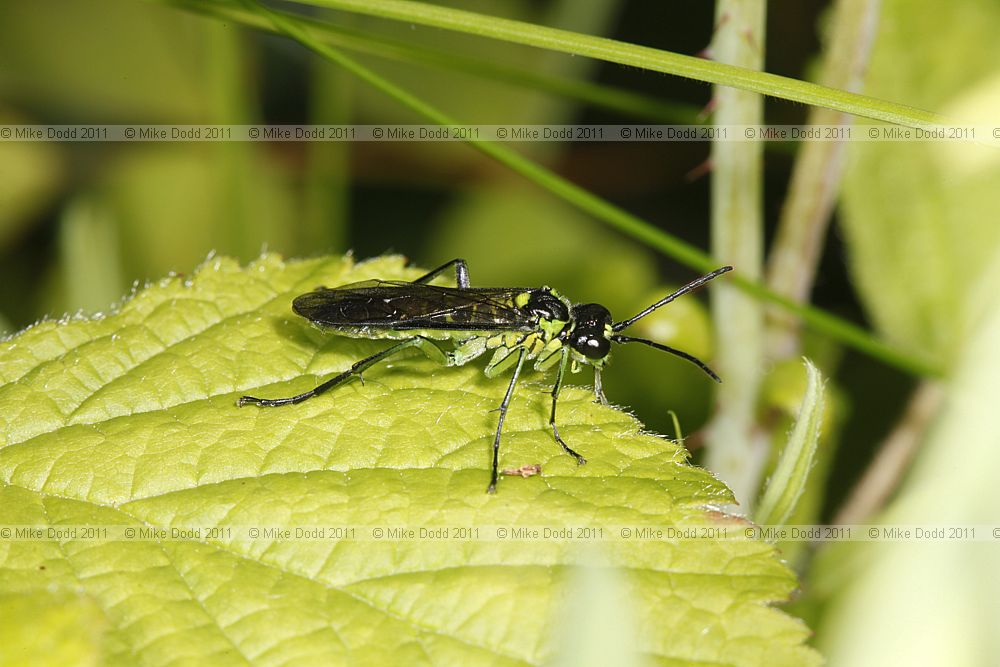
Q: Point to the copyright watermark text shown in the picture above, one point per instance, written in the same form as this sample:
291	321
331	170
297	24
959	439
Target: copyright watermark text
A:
989	135
729	530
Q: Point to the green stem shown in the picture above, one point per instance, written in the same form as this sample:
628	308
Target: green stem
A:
894	456
816	177
736	449
90	256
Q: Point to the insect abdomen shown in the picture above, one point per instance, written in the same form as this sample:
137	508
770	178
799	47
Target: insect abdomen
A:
368	331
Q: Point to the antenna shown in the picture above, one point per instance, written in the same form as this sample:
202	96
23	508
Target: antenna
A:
683	355
690	287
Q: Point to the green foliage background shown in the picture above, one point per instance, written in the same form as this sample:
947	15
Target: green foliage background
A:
913	257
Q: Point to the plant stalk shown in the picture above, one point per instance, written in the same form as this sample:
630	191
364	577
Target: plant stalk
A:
737	449
816	177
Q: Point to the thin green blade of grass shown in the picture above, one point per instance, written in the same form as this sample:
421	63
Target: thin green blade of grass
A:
369	43
644	57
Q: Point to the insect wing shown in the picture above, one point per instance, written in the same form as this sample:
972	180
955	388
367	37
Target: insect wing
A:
403	306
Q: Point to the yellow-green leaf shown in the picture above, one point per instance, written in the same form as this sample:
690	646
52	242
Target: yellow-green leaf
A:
130	422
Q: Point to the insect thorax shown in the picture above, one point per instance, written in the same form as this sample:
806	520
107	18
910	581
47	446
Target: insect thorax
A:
547	315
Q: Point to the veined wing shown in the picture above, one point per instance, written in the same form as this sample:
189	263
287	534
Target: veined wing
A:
396	305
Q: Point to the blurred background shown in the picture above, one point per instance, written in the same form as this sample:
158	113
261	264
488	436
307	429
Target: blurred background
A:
911	244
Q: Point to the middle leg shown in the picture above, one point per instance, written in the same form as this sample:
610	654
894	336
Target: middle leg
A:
492	488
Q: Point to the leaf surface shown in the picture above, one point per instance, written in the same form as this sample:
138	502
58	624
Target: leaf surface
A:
130	422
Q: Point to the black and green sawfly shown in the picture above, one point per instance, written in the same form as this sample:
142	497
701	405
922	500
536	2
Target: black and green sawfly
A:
517	323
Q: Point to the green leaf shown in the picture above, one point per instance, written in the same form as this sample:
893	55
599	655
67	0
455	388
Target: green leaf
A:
920	217
130	422
70	628
796	461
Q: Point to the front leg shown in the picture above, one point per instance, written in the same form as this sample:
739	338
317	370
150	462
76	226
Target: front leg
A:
555	399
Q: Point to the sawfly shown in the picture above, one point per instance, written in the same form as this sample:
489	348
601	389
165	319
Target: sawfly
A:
516	324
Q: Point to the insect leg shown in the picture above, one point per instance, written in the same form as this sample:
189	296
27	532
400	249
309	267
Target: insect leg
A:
356	369
433	352
555	399
599	388
461	273
503	413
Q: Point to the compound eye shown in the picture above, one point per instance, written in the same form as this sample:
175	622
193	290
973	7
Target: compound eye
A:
592	347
